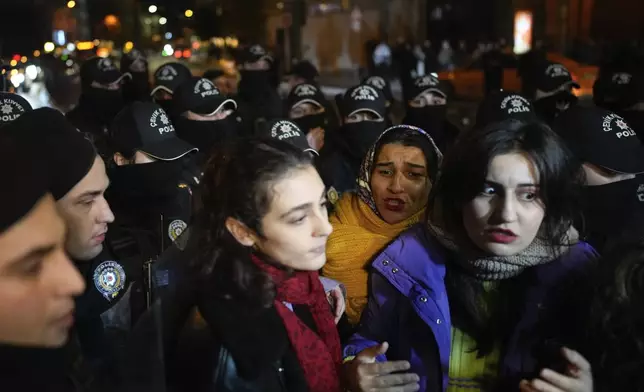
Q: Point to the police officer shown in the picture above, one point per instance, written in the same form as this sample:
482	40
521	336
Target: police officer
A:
12	106
554	92
203	116
288	131
504	105
137	88
612	160
363	111
78	181
383	85
166	79
100	101
301	72
258	99
38	282
152	182
426	105
307	107
622	92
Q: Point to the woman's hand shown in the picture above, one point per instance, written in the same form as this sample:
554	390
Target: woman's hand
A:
578	377
365	374
338	304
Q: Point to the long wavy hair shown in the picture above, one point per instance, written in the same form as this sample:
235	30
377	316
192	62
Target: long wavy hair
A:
238	182
463	175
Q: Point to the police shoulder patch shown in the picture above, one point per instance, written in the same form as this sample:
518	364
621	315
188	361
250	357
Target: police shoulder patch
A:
332	195
109	279
175	228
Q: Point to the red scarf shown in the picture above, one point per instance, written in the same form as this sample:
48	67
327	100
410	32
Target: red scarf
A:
319	354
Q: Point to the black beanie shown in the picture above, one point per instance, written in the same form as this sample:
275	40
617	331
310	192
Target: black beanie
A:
25	179
70	156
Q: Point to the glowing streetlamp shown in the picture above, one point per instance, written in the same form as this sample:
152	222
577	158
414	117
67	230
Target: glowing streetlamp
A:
189	13
71	4
162	21
152	9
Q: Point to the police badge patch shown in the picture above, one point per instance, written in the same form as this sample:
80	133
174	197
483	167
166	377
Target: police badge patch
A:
109	279
332	195
175	229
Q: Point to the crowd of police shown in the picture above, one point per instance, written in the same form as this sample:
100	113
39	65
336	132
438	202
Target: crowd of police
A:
99	203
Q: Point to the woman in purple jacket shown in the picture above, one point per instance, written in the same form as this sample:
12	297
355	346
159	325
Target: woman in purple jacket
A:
454	303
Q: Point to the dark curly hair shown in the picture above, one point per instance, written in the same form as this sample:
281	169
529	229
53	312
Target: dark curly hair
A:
238	182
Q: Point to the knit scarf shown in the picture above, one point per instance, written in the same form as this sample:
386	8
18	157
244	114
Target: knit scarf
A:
319	354
490	268
358	235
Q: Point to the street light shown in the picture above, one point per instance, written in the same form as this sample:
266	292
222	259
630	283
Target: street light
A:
189	13
162	21
71	4
152	9
49	47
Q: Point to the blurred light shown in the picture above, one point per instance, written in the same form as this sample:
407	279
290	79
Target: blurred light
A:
219	42
280	5
178	54
168	50
196	45
71	47
111	20
85	45
162	21
152	9
23	59
69	62
103	52
96	42
31	71
522	32
147	21
17	79
13	63
13	72
187	53
64	57
129	45
71	4
60	38
36	53
168	35
434	74
189	13
156	38
58	51
16	57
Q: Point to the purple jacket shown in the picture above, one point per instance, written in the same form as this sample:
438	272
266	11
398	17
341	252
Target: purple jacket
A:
408	308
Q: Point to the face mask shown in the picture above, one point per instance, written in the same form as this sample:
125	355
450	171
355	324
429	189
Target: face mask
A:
549	108
104	104
431	119
609	208
255	79
307	123
361	136
206	135
148	180
166	104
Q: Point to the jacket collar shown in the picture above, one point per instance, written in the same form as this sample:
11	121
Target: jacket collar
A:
255	338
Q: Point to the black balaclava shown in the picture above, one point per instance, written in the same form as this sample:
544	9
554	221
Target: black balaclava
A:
431	119
613	210
310	122
138	87
206	135
360	136
549	108
102	104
